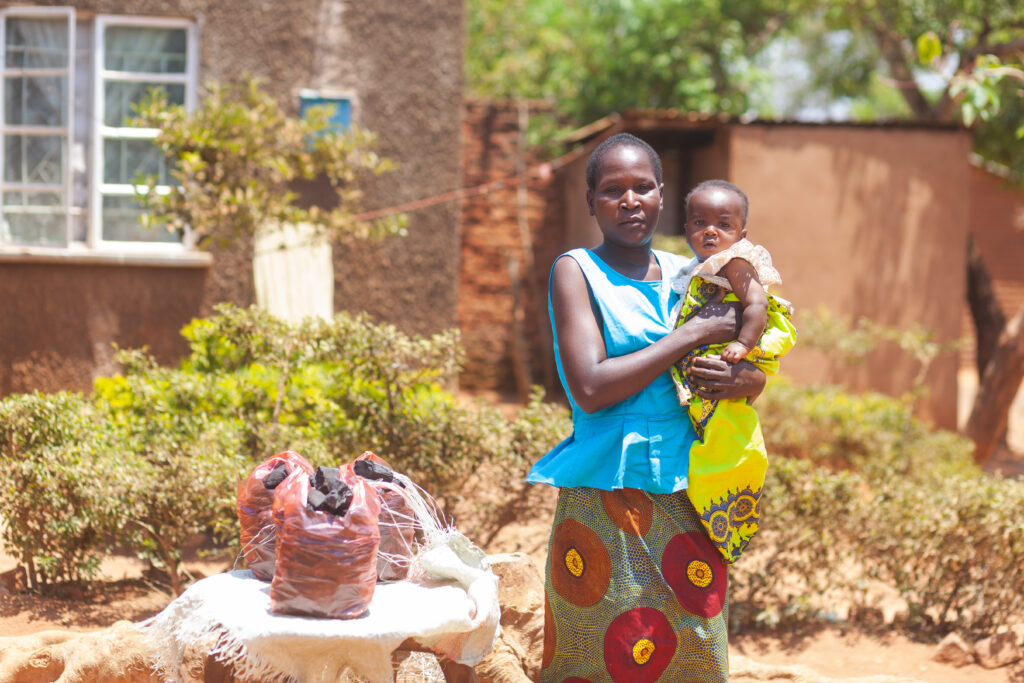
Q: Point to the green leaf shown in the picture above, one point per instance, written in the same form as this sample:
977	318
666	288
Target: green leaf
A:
929	47
968	113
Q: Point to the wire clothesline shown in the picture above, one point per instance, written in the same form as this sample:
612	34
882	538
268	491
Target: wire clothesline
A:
542	171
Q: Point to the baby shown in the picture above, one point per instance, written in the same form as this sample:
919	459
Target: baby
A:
728	460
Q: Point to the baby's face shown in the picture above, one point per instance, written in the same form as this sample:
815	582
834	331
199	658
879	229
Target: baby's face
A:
714	221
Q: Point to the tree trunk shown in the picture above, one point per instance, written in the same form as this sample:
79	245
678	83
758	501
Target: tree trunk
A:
985	311
902	74
999	385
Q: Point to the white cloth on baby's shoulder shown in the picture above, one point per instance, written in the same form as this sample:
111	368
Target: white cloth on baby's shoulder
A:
754	254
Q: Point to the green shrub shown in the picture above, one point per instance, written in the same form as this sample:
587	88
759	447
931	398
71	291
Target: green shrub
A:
955	550
804	543
181	458
179	490
33	421
153	458
867	494
858	491
874	434
336	388
58	501
538	427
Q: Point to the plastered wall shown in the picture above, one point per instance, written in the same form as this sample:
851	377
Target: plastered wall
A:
996	220
401	61
864	221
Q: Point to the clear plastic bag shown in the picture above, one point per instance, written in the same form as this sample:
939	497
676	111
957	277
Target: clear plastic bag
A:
326	565
254	506
398	525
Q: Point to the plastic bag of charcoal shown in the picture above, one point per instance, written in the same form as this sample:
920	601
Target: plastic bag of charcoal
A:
316	534
326	547
399	525
254	505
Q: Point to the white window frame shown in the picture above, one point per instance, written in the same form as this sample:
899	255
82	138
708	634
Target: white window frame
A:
67	131
101	131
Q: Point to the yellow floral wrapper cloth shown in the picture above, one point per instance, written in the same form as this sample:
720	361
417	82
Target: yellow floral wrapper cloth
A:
728	460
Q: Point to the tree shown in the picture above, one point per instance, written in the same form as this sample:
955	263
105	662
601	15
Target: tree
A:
958	60
715	56
1000	382
236	160
596	57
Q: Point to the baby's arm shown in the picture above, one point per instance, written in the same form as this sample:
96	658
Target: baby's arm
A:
743	278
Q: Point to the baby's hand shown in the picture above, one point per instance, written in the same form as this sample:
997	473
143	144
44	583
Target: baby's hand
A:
735	352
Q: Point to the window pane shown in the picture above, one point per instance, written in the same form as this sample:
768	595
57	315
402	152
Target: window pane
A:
37	43
120	96
121	222
36	101
147	50
33	218
340	110
34	159
125	160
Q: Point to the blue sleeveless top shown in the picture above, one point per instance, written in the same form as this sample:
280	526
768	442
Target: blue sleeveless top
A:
644	441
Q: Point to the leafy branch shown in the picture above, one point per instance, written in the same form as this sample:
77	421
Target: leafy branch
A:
236	161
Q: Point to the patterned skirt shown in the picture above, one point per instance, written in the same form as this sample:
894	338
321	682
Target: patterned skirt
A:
634	591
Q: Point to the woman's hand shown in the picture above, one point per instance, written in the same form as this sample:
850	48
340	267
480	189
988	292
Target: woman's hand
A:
716	323
716	379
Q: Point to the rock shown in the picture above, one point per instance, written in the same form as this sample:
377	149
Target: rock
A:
517	651
114	655
118	654
999	650
900	616
14	581
868	616
502	665
954	650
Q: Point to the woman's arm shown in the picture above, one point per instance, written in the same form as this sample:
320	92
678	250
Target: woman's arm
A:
596	381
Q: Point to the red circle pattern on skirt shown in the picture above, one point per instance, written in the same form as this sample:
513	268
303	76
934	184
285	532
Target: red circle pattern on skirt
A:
696	573
638	645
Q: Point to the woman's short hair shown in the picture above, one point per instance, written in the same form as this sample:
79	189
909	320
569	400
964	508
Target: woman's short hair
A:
721	184
596	159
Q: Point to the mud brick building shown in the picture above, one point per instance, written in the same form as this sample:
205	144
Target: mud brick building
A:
862	220
77	273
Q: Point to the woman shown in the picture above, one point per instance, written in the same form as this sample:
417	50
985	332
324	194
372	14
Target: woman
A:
635	591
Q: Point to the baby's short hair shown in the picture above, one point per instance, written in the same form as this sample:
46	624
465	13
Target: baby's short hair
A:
724	185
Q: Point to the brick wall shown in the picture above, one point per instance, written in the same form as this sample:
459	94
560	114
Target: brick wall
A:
506	251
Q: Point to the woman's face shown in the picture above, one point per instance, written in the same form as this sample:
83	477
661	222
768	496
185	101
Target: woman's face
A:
714	221
626	199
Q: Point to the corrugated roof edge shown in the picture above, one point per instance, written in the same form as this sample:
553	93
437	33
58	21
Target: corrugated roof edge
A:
667	119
